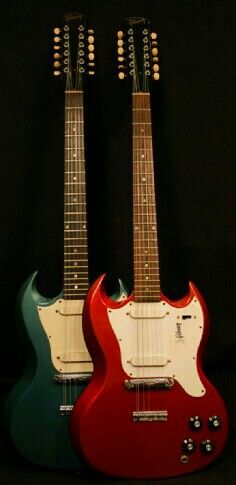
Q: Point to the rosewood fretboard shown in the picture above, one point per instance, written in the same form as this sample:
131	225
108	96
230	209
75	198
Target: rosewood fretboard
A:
146	256
75	221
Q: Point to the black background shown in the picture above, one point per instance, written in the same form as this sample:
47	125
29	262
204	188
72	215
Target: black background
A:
193	108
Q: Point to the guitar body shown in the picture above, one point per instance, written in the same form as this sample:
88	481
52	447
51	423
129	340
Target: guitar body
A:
37	428
103	426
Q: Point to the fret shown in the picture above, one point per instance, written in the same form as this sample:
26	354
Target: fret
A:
75	135
77	275
75	122
75	171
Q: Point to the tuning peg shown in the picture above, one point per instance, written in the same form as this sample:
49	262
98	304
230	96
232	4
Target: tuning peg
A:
155	67
121	59
121	75
156	76
120	34
120	51
56	30
57	73
91	73
154	51
56	64
90	31
91	47
56	55
57	47
154	43
153	36
90	39
155	59
91	56
120	42
57	39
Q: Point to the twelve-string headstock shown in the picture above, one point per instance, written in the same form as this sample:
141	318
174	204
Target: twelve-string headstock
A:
73	50
137	51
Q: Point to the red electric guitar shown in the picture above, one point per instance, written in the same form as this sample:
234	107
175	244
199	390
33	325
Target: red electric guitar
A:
149	411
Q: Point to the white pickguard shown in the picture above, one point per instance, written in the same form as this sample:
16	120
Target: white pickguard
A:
155	341
62	322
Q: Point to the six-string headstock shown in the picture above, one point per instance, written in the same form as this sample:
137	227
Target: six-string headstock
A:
137	51
73	50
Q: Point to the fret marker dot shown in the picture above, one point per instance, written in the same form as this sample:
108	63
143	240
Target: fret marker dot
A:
145	251
143	179
84	226
146	265
67	226
73	129
75	263
74	155
74	199
75	276
142	156
136	228
144	200
153	228
75	250
147	277
76	287
74	178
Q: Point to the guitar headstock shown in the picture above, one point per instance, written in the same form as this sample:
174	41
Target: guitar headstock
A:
137	51
73	51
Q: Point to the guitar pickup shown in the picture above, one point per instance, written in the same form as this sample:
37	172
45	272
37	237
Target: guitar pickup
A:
150	383
72	378
150	415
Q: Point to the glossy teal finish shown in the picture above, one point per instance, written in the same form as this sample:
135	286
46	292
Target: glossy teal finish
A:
37	429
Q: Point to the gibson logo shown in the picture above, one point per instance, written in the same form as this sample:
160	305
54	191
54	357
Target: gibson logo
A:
178	332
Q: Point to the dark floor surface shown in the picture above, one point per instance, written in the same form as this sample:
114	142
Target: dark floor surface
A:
14	470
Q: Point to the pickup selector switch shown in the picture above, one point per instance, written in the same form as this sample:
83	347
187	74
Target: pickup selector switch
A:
214	423
207	446
195	423
188	445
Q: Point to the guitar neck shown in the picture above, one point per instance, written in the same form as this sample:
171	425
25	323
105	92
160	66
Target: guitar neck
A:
75	220
146	254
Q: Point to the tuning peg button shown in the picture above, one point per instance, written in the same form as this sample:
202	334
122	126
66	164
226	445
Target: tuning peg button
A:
121	75
120	51
156	76
56	64
56	55
57	73
57	39
91	56
120	34
154	51
57	30
91	47
57	47
90	39
153	35
121	59
155	67
120	42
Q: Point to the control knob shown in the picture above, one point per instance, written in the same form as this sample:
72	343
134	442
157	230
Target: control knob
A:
214	423
207	446
195	423
188	445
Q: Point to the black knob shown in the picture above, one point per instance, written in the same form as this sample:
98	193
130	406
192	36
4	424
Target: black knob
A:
214	423
207	446
188	445
195	423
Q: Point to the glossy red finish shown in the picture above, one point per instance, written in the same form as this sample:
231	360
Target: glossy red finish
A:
102	428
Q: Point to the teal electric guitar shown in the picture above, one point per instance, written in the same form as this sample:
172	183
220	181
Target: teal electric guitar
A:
59	365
